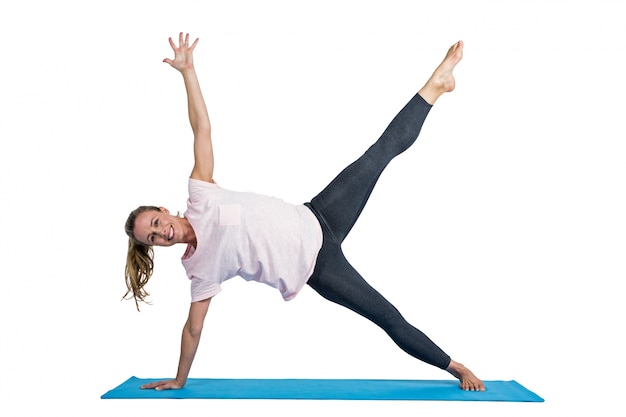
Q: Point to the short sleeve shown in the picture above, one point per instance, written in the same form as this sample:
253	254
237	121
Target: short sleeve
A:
201	289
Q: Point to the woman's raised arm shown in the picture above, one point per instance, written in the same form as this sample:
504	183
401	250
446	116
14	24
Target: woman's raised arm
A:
198	114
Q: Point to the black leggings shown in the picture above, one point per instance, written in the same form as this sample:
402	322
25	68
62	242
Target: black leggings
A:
338	207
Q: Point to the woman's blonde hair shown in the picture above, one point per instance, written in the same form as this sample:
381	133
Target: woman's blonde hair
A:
139	260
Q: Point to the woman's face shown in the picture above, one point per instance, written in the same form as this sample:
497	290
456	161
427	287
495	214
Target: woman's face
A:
158	228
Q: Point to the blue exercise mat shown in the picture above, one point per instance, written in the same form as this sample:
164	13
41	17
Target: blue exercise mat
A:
326	389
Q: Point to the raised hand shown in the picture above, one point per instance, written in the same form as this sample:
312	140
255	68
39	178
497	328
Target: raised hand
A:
183	54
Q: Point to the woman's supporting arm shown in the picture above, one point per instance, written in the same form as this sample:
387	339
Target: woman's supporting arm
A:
188	347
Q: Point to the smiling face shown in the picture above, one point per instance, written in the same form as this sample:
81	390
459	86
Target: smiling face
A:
159	228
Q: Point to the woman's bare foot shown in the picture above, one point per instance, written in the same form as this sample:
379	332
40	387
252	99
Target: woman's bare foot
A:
442	80
469	381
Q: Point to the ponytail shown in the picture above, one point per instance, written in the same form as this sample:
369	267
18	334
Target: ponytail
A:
139	260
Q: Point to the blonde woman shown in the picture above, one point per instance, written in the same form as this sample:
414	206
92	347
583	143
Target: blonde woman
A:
265	239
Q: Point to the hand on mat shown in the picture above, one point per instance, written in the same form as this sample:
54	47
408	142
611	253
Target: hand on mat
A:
183	54
162	385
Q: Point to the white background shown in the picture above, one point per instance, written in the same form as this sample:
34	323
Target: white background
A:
501	233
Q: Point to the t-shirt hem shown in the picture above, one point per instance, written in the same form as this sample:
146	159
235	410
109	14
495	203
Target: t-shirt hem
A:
203	297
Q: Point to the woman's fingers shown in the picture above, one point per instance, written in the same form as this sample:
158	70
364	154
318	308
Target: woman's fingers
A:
182	43
150	385
161	385
194	44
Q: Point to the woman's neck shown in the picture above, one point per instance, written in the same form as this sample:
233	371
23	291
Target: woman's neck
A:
189	236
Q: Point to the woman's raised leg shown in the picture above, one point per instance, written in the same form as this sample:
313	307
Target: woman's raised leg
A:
341	202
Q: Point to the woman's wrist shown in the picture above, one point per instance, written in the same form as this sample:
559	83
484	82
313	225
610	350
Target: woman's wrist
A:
190	70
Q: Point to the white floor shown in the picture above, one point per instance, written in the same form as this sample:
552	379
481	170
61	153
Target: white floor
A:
501	233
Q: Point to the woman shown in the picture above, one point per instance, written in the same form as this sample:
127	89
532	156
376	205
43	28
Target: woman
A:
283	245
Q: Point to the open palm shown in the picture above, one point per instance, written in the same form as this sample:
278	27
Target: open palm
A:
183	54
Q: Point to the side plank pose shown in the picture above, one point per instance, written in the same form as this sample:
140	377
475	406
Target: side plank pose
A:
265	239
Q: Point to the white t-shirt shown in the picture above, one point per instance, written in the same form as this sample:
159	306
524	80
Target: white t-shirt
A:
256	237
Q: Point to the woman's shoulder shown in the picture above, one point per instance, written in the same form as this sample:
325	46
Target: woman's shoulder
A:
199	190
200	186
201	183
